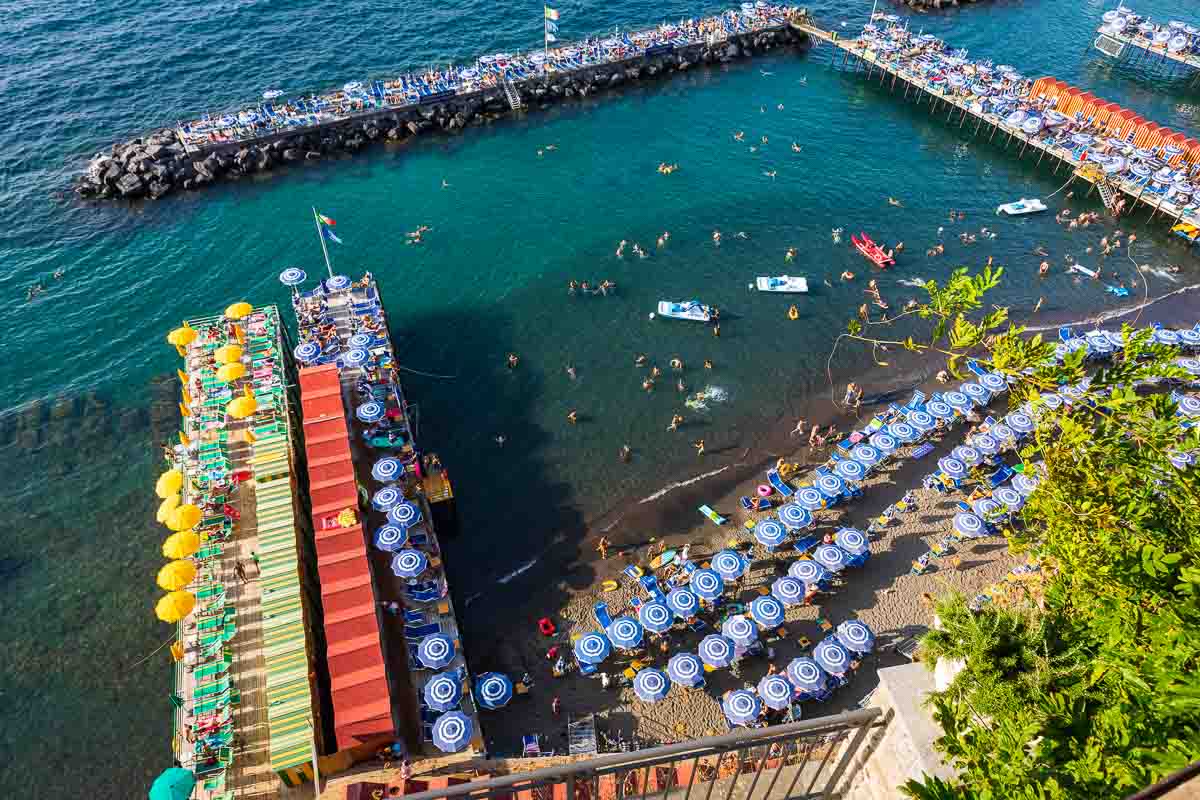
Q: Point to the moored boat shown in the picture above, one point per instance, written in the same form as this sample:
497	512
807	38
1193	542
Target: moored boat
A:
688	309
781	283
1022	206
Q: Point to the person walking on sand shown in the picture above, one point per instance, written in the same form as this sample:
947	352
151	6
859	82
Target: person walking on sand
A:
814	437
602	546
799	429
699	445
240	570
675	421
555	706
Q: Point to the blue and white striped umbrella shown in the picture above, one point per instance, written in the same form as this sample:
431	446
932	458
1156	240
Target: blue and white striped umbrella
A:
922	421
1009	497
1099	346
903	432
775	691
371	411
741	707
768	533
729	564
1164	336
390	538
1189	405
808	572
957	400
409	563
436	651
592	648
866	455
686	669
884	443
993	382
1020	423
806	675
707	584
359	340
307	352
1002	433
338	282
356	357
1052	401
1181	460
831	656
809	499
976	393
625	633
387	469
442	692
292	276
767	611
404	514
952	468
452	731
1189	337
651	685
739	630
716	651
939	410
855	636
387	498
831	486
1025	484
852	540
683	602
969	525
794	517
656	617
967	455
493	690
986	444
986	508
850	469
1192	365
832	558
788	590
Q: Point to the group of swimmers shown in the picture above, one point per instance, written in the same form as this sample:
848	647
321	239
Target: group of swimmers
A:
638	250
666	169
585	287
39	287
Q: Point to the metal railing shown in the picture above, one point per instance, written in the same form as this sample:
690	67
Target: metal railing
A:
806	759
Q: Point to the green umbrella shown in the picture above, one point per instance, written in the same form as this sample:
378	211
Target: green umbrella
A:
175	783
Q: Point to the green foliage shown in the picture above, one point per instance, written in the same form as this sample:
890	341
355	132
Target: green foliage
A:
1088	685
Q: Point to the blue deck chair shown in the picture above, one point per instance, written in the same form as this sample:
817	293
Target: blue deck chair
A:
1000	476
602	615
975	368
650	584
779	484
418	632
807	543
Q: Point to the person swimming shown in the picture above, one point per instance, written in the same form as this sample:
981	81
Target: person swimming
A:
770	173
621	249
790	254
796	148
675	422
716	237
847	275
681	386
708	364
648	384
739	136
742	235
639	360
676	363
571	372
894	202
655	372
513	360
572	416
572	286
763	139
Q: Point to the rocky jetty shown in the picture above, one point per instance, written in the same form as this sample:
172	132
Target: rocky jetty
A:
158	164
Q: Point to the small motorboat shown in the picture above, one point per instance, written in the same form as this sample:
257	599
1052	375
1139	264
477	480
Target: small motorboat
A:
873	252
1022	206
781	283
689	309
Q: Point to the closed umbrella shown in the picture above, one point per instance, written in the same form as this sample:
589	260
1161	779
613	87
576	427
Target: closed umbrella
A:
707	584
174	606
769	533
832	558
409	563
808	572
831	486
806	675
175	783
181	544
625	633
741	707
387	498
452	731
850	469
809	499
716	651
176	575
852	540
767	611
739	630
831	656
442	692
656	617
952	468
592	648
686	669
436	651
776	692
683	602
169	483
493	690
387	469
405	514
729	564
650	685
855	636
967	455
788	590
370	411
969	525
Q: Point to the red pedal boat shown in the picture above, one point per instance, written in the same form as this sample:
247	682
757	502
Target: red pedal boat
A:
873	252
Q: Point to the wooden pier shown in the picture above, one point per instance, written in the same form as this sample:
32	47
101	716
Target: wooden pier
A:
1141	51
854	55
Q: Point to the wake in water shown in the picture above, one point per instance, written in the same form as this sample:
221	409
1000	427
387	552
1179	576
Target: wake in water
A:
518	571
710	394
680	484
916	283
1108	316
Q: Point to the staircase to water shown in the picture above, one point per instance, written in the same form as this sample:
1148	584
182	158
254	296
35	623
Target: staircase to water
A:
511	93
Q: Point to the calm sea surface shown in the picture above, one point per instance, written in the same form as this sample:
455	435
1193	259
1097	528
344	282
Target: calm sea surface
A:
80	413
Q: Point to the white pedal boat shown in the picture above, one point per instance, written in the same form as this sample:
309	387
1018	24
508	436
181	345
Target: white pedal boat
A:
781	283
688	309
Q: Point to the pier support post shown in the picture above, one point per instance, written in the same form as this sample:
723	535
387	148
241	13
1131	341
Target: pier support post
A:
978	125
994	129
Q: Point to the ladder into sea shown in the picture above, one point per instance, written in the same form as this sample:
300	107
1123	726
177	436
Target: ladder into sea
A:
511	93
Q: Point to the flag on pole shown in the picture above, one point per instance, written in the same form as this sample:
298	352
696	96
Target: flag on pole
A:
551	26
551	13
331	236
326	220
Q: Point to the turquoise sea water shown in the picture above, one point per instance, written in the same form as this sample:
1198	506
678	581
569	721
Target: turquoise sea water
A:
79	417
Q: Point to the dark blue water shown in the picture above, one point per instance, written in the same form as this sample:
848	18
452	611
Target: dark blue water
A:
81	417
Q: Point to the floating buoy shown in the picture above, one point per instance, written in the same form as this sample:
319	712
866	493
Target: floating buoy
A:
651	315
793	313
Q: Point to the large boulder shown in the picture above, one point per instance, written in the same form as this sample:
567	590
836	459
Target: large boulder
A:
130	185
292	154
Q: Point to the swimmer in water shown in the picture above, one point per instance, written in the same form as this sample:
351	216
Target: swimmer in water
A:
753	149
500	440
716	237
796	148
626	452
676	363
764	140
1043	269
58	273
621	249
739	136
445	185
742	235
708	364
770	174
572	416
847	275
894	202
571	372
572	286
681	386
655	372
675	422
513	360
1038	307
790	254
779	107
640	360
661	241
648	385
551	147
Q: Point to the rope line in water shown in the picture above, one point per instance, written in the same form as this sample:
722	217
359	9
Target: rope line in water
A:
426	374
152	653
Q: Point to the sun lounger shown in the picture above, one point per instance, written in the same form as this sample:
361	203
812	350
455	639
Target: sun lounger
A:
419	632
779	484
716	518
602	615
922	450
650	584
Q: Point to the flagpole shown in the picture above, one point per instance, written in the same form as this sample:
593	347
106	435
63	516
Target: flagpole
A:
321	236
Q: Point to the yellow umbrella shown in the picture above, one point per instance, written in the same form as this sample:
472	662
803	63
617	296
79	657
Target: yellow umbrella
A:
228	354
176	575
169	483
181	545
182	337
165	508
238	310
175	606
241	407
184	517
231	372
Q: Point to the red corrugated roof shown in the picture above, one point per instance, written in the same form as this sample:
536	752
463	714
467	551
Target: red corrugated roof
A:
358	680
